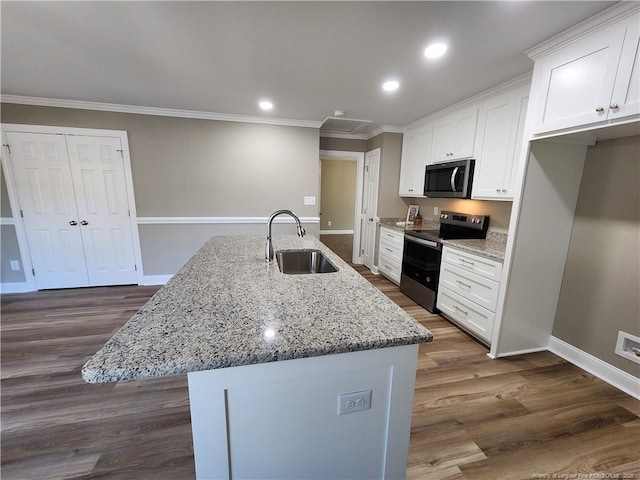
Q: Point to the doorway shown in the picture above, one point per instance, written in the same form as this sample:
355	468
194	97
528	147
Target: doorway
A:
71	196
341	177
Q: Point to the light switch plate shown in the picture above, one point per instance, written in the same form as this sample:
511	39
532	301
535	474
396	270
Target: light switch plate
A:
309	200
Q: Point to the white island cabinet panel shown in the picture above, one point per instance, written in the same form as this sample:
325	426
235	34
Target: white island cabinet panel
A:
246	420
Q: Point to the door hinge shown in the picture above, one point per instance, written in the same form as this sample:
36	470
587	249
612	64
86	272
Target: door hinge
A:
33	272
121	154
21	214
129	212
135	267
8	147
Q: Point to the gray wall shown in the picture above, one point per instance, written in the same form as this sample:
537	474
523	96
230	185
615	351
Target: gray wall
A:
199	168
389	202
600	291
337	194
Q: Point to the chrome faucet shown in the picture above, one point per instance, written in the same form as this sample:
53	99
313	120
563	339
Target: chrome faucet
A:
268	251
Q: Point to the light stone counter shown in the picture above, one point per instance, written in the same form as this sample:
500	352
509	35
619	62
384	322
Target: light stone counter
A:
220	309
492	247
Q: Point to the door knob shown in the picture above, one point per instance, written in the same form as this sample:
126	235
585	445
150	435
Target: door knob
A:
84	222
371	219
73	223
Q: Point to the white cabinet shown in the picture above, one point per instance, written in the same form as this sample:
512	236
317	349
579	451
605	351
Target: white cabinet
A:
454	135
500	132
416	155
594	79
468	291
390	249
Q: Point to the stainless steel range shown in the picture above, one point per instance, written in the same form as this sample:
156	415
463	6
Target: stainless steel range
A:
423	251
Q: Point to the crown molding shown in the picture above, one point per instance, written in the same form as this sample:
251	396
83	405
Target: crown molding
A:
161	112
611	15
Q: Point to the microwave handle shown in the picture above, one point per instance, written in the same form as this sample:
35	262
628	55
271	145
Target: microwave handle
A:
453	179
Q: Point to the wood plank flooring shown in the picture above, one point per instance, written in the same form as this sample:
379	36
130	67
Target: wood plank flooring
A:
530	416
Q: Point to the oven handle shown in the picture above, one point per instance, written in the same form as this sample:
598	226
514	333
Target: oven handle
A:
426	243
453	179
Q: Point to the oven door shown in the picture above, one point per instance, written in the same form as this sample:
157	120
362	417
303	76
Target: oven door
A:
420	270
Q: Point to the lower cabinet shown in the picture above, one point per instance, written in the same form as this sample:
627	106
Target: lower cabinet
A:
390	248
468	291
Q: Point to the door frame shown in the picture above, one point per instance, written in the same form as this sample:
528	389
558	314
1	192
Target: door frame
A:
358	157
21	234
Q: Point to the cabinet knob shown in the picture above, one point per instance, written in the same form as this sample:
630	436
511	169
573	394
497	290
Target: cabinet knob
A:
497	189
599	109
84	222
504	190
73	223
614	106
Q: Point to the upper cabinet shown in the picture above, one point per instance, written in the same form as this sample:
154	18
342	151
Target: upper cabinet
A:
454	135
416	155
500	132
592	80
488	127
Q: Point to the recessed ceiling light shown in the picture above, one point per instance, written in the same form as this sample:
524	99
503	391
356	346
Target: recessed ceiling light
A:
435	50
390	85
265	105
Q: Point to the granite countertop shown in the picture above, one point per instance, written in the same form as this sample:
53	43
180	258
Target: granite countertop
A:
492	247
227	307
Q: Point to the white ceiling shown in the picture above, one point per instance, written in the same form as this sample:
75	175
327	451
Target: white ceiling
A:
309	58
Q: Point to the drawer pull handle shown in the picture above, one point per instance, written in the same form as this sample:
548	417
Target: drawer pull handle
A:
460	310
463	284
388	249
469	262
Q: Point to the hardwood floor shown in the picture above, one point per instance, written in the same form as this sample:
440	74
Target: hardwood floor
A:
530	416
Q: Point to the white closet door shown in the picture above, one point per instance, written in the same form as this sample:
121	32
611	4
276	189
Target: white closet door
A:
40	165
103	209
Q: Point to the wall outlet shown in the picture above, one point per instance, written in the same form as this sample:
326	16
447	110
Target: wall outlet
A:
309	200
354	402
15	264
329	223
435	211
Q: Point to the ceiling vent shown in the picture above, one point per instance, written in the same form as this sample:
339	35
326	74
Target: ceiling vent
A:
344	125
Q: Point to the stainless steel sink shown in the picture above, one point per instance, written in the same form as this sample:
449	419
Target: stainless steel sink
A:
295	262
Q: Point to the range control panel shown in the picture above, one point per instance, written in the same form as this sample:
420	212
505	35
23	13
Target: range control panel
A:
464	220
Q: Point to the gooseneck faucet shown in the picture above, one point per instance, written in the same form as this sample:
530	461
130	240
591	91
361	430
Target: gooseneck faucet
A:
268	251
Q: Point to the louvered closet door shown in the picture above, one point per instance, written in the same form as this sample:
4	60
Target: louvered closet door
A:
40	165
103	209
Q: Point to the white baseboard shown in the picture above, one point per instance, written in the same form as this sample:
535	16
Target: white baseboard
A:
155	279
519	352
604	371
16	287
336	232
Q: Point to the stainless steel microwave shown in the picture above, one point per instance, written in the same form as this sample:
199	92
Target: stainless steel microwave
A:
449	179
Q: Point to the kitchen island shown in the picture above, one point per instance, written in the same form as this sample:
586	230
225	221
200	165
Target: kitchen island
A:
290	376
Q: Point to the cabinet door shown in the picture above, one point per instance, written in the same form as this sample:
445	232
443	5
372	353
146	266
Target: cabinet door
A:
465	134
454	136
577	81
500	133
416	155
443	140
626	91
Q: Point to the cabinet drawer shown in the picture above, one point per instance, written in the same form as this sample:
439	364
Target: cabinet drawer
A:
470	285
471	317
390	250
390	268
392	236
482	266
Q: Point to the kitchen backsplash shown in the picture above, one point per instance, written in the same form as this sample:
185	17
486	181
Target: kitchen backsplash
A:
500	212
